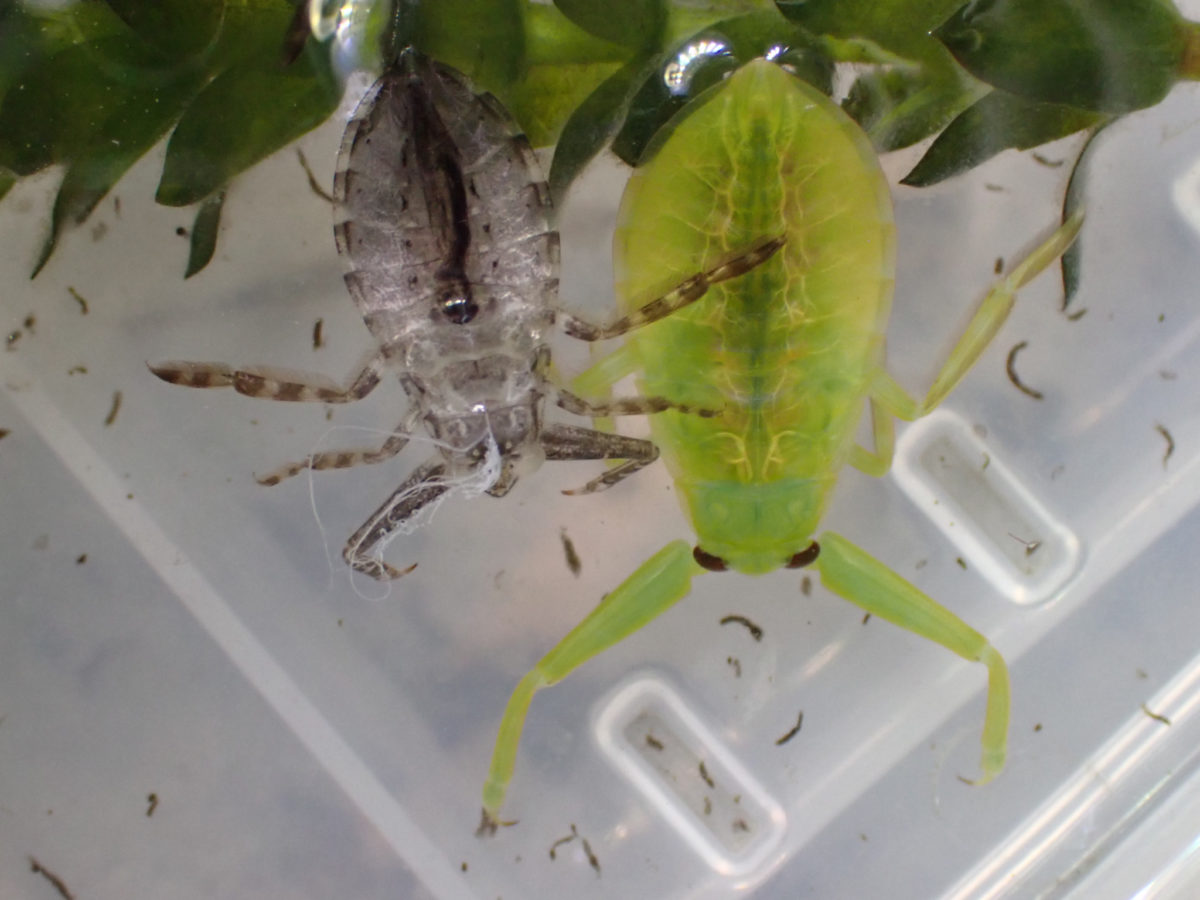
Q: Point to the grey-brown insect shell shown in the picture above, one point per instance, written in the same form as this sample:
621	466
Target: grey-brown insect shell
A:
439	196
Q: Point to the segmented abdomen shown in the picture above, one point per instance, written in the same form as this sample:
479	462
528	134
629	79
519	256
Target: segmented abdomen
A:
785	350
436	187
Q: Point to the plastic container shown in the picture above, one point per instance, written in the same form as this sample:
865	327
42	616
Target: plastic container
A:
170	628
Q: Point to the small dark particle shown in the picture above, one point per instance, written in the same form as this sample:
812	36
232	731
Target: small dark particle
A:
999	266
329	414
921	563
77	370
81	559
313	184
1056	471
866	618
181	231
1037	727
564	840
755	631
1157	717
80	299
38	869
573	562
1167	374
705	776
740	825
994	187
1030	546
1161	318
1012	373
654	743
30	323
862	837
1077	315
1048	163
1170	443
987	461
593	861
117	205
707	806
736	664
10	340
318	334
806	586
4	432
99	231
116	408
464	865
152	803
795	730
1141	673
962	563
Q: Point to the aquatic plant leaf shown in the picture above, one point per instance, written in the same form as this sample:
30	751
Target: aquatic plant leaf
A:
594	122
1102	55
242	116
999	121
636	24
177	28
132	124
204	233
483	39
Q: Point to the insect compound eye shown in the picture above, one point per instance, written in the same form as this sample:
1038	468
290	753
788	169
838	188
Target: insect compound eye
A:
708	561
459	309
804	557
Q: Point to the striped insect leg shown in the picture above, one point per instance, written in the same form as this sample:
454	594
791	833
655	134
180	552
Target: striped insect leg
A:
659	583
625	406
852	573
684	294
570	442
344	459
421	488
272	384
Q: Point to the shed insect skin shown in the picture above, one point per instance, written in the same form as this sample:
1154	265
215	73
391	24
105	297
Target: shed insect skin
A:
442	218
789	352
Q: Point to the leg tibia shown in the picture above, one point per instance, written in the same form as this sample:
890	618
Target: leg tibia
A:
658	584
851	573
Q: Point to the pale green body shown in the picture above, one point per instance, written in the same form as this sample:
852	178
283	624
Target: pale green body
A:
789	351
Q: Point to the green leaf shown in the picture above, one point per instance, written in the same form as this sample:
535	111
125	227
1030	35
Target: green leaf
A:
593	123
1072	259
636	24
898	107
902	26
132	125
204	233
54	108
1103	55
707	57
483	39
547	96
999	121
177	28
242	116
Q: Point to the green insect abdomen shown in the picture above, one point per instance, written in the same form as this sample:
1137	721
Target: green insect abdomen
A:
786	350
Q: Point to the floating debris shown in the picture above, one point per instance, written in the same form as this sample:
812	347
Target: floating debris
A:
1012	373
1161	429
755	631
780	741
116	408
573	562
80	299
59	885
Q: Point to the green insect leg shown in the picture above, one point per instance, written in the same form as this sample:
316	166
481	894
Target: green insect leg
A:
658	584
983	326
876	463
849	571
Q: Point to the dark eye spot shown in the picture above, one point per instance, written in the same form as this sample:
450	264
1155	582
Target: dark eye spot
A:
804	557
708	561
